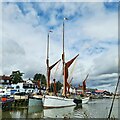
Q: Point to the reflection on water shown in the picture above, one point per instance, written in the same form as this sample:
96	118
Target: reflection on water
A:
35	112
95	109
15	113
30	112
59	112
78	107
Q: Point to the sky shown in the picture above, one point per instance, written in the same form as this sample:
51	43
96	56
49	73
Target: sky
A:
90	31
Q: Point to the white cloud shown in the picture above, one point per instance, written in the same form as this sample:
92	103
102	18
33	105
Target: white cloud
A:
99	28
107	62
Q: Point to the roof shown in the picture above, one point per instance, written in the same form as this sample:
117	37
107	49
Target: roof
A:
29	82
5	77
99	91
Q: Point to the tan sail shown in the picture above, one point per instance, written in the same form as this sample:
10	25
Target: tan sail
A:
67	65
84	84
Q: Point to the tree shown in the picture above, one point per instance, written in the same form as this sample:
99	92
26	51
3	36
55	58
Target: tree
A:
16	77
40	77
58	86
43	80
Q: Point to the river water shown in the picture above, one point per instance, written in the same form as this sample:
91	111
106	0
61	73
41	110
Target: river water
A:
98	108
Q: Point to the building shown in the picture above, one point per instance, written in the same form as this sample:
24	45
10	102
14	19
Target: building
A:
5	81
102	92
26	87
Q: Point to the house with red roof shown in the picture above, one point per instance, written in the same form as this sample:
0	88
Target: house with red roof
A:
103	92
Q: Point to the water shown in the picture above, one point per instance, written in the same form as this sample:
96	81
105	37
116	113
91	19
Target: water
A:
98	108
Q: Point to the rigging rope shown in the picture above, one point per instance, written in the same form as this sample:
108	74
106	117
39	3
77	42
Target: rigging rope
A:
56	70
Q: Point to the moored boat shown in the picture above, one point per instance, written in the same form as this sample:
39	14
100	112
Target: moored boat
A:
56	101
35	100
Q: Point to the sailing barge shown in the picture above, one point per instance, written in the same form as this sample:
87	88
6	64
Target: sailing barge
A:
63	101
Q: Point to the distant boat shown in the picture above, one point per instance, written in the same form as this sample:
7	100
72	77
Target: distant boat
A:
56	101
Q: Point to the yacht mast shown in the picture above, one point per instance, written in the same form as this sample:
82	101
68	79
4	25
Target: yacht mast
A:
63	59
49	68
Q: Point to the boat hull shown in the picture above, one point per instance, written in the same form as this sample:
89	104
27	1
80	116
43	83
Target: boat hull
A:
35	101
57	102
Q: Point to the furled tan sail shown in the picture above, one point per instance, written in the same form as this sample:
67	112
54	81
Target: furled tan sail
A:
49	71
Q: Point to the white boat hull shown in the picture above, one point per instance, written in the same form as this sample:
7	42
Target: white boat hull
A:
56	102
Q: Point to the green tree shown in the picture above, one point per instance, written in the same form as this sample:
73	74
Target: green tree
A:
40	77
16	77
58	86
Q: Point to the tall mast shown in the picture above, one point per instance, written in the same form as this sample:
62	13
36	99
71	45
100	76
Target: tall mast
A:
63	59
47	61
49	68
48	49
63	54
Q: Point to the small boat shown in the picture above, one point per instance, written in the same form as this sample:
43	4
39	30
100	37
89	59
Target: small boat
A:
83	99
35	100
